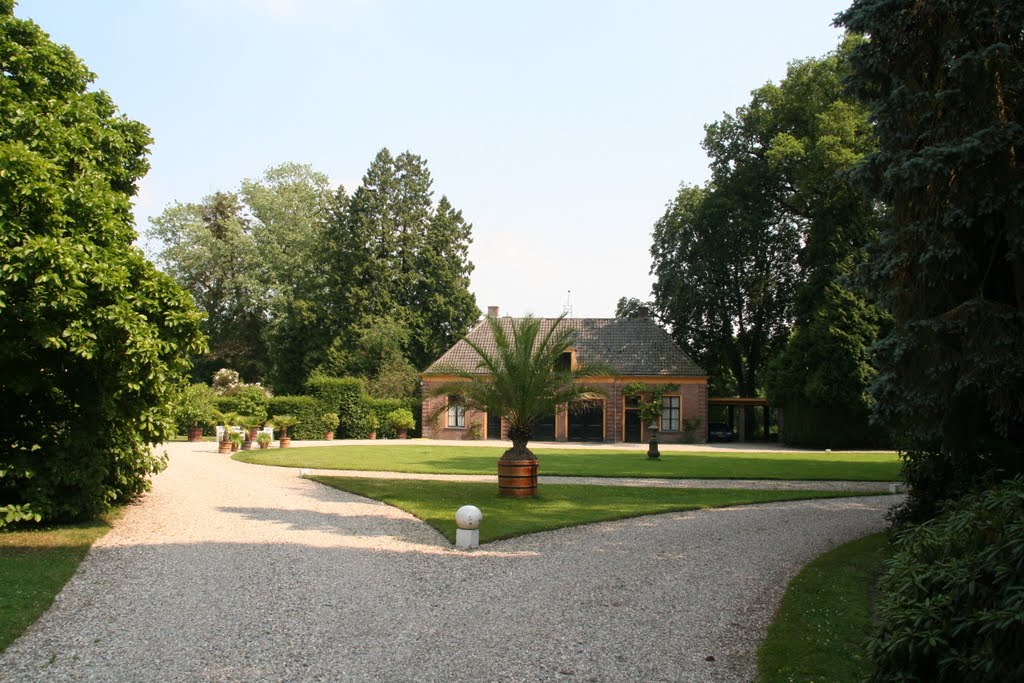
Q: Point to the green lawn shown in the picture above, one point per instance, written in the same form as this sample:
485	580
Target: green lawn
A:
558	505
825	617
595	463
35	564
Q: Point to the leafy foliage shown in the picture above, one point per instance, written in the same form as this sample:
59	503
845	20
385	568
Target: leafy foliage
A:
953	594
743	259
344	396
822	377
945	83
631	307
93	340
524	379
297	278
400	419
209	249
305	410
194	407
399	257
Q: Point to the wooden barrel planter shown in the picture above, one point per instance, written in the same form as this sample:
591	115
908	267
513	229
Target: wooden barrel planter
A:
285	442
224	447
517	478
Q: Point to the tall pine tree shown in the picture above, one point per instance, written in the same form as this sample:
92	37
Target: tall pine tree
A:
945	82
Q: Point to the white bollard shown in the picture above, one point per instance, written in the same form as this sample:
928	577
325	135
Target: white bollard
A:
468	519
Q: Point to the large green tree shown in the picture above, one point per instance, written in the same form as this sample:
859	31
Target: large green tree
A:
252	261
768	245
945	82
210	250
93	339
397	255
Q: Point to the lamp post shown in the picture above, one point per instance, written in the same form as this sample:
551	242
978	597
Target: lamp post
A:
652	449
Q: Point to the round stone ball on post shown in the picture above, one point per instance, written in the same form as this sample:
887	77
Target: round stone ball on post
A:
468	518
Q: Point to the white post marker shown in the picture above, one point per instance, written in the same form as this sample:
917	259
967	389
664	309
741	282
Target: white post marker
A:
468	519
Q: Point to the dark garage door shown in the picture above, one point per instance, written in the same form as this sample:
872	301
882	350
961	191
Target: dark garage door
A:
586	422
544	429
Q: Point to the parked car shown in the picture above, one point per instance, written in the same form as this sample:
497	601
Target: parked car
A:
719	431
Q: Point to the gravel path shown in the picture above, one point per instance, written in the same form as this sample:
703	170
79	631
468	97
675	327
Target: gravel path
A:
233	572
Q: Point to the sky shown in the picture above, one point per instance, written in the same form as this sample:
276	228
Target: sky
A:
561	129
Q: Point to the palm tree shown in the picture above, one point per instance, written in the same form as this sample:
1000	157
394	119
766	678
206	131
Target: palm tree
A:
525	378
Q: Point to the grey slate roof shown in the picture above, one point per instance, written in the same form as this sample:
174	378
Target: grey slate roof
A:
632	346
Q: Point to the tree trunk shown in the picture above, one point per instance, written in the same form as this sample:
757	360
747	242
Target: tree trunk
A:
520	437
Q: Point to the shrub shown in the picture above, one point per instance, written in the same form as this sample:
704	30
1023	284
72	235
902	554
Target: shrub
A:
251	399
819	426
194	407
952	607
382	407
304	409
400	419
344	396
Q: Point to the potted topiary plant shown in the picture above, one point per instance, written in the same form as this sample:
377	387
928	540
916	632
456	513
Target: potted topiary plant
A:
251	425
194	409
330	423
401	420
283	422
373	424
226	420
264	440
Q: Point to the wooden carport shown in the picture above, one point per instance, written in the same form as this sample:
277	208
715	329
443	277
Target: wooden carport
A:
745	403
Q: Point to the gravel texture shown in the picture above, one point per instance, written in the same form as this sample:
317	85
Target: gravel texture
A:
234	572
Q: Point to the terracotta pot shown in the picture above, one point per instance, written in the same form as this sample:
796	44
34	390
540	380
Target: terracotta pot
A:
285	441
224	447
403	433
373	435
328	436
517	478
195	434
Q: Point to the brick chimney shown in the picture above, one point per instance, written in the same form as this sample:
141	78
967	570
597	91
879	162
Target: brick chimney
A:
492	311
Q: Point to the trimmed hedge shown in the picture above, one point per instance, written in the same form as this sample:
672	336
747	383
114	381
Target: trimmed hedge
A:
344	396
382	407
820	426
952	606
305	409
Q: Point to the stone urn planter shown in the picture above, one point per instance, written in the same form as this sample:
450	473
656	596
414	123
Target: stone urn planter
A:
517	478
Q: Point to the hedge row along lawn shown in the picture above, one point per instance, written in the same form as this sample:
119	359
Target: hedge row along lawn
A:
35	564
825	618
557	505
596	463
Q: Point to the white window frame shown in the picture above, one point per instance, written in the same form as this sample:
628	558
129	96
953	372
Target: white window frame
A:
456	413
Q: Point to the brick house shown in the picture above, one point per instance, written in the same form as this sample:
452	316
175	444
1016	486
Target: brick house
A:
640	352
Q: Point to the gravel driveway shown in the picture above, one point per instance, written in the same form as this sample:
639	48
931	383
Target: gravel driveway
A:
233	572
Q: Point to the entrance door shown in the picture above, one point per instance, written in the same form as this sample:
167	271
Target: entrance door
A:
544	428
586	422
493	426
634	426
